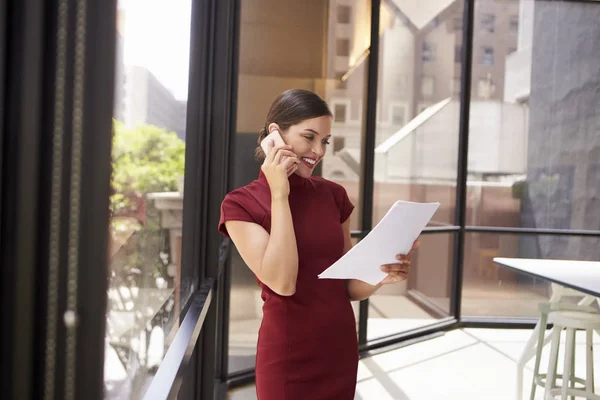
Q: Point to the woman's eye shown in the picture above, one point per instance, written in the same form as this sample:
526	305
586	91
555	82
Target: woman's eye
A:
326	142
310	138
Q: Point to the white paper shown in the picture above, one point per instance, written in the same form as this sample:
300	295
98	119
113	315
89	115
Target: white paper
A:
393	235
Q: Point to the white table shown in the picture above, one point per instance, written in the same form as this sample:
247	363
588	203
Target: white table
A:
581	276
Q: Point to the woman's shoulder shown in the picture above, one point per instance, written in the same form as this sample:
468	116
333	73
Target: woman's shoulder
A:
244	194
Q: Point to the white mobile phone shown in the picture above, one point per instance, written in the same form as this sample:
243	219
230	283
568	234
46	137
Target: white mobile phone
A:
275	136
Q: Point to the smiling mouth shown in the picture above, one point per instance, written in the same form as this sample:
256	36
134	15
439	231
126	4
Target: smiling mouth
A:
309	162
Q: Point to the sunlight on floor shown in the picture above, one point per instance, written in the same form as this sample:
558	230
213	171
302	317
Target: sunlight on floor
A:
466	364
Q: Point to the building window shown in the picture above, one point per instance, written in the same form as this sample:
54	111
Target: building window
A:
427	86
457	23
398	114
343	47
340	112
485	88
458	53
338	143
339	83
487	22
487	57
428	54
514	24
343	14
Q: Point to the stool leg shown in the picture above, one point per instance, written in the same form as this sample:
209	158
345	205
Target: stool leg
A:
538	357
551	374
589	361
567	370
573	374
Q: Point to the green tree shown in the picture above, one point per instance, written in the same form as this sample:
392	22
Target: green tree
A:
145	159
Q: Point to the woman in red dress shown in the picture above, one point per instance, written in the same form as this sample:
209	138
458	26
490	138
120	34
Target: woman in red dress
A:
289	226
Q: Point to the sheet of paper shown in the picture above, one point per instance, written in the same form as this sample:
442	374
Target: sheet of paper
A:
394	234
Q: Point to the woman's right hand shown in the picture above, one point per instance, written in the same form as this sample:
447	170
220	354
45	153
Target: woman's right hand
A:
277	172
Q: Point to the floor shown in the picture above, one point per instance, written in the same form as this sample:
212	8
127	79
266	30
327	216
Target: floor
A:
466	364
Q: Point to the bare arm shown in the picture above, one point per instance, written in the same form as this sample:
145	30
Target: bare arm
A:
273	258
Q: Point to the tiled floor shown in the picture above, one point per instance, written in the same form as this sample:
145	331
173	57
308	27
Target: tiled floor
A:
467	364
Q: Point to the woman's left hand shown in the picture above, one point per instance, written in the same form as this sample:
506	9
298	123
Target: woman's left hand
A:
399	272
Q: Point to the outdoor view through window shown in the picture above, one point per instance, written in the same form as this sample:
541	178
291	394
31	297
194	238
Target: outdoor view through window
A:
147	285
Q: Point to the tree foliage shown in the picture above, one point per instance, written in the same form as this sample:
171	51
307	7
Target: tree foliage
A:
145	159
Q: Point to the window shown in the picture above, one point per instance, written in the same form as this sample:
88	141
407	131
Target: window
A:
339	83
398	114
343	14
487	22
514	24
338	143
458	53
487	56
339	112
427	86
148	286
428	52
485	88
457	23
343	47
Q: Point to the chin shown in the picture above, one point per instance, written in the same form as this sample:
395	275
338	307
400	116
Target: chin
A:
304	172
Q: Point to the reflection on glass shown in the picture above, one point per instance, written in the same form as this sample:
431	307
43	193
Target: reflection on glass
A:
422	299
418	112
493	291
325	55
147	287
533	147
416	152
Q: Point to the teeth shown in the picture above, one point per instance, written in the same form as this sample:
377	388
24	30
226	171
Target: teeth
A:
308	160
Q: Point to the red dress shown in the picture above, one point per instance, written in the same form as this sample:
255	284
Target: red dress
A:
307	345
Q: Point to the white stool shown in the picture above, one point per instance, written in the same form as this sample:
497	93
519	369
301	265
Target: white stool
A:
571	321
556	303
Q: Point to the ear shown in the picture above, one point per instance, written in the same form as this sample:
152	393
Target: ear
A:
274	127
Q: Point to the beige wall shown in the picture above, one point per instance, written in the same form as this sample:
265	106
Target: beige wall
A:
282	46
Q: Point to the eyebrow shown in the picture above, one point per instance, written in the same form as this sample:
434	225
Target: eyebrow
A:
315	132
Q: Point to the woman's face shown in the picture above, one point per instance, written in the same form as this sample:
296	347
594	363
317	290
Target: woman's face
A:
309	140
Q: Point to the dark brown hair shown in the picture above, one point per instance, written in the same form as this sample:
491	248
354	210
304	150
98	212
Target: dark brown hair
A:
290	108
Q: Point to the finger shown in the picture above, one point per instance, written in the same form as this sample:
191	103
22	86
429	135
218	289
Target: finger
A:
290	162
283	152
392	268
273	152
416	244
292	169
404	258
395	278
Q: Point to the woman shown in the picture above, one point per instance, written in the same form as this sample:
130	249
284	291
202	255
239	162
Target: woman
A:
288	230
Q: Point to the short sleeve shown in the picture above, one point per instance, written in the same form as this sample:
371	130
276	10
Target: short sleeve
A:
232	209
343	201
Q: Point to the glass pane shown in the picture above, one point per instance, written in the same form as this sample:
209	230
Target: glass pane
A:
493	291
329	57
533	145
417	121
422	299
148	288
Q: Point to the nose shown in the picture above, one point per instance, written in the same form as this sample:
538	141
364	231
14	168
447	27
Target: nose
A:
319	150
